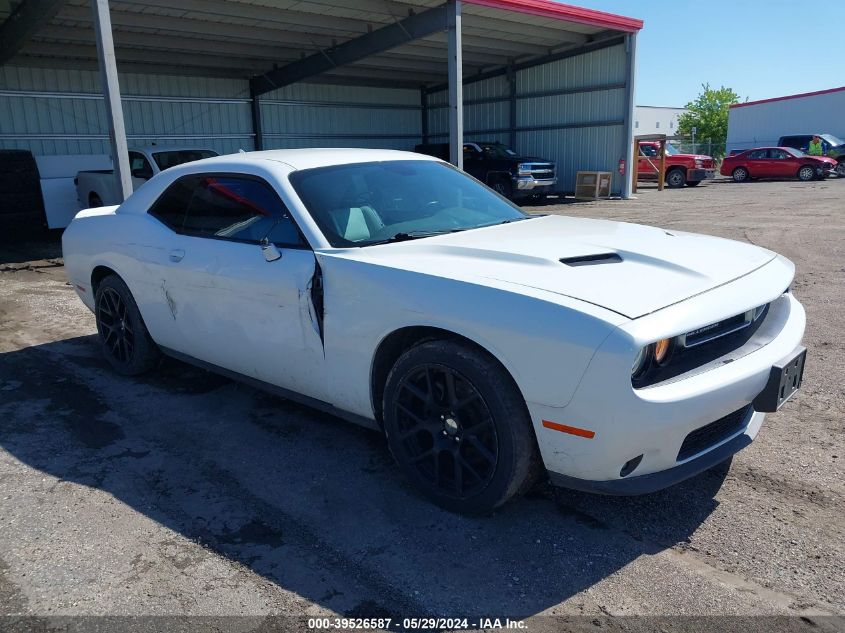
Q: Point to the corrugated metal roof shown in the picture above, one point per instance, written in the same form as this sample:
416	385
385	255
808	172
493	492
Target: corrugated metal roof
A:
242	38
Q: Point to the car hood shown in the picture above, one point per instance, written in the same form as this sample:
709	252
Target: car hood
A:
630	269
824	159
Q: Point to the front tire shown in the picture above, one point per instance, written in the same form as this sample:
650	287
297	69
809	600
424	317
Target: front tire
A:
458	427
124	338
840	169
740	174
676	178
503	187
806	173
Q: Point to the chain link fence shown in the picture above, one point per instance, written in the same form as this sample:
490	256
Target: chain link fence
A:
708	148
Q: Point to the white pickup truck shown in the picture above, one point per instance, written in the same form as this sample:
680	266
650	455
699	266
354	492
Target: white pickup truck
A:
99	188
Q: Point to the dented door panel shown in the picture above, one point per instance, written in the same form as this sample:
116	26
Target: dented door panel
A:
234	309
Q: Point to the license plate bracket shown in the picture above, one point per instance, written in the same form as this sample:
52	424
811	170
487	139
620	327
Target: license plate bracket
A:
784	380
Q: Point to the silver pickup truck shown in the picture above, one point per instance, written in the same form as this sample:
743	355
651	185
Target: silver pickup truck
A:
99	188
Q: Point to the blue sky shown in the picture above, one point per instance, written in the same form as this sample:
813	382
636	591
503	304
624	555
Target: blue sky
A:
760	48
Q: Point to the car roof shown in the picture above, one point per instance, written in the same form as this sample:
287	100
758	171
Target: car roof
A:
317	157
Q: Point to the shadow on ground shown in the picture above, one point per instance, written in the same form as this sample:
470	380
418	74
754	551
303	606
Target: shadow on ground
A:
313	504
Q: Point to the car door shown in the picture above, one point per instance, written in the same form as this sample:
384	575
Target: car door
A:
782	164
474	162
648	161
140	169
231	306
757	163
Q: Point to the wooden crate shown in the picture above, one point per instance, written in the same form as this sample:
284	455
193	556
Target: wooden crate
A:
593	185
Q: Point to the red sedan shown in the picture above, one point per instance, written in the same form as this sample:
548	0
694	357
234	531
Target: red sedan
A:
776	162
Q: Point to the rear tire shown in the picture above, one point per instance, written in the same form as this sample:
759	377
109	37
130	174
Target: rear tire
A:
124	338
740	174
675	178
806	173
459	428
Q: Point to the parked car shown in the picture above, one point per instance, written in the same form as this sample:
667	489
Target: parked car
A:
97	188
681	169
491	347
501	168
776	162
831	146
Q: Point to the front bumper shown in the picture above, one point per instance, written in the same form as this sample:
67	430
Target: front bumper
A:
529	183
701	174
652	422
645	484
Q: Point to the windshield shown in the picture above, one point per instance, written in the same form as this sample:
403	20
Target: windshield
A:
367	203
795	152
671	149
496	150
177	157
833	140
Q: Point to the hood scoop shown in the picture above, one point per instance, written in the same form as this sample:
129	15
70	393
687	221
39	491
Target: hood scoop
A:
592	260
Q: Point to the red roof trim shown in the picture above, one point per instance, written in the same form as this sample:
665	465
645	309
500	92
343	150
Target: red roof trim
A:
788	97
565	12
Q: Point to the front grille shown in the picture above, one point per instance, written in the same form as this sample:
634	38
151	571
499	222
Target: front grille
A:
542	171
703	438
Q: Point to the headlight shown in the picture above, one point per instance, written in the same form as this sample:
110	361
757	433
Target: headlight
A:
641	362
699	163
663	351
524	169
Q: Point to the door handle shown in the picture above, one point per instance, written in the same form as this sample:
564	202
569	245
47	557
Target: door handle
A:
176	255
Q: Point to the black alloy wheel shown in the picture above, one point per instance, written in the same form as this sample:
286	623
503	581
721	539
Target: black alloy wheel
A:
458	427
446	430
114	326
124	338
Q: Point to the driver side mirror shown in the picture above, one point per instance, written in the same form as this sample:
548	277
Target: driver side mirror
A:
142	173
269	250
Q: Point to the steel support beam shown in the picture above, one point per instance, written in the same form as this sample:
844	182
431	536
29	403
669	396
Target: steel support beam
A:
255	110
111	92
381	40
23	23
628	136
536	61
456	84
424	115
512	106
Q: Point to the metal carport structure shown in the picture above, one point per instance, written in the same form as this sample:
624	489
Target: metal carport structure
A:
545	77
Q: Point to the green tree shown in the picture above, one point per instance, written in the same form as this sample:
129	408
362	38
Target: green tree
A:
708	114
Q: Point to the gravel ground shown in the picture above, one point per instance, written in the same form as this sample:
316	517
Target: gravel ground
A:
185	494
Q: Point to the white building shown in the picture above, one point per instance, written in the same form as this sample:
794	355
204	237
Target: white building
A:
657	120
760	123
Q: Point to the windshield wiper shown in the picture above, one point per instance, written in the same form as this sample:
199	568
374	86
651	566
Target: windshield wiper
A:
405	236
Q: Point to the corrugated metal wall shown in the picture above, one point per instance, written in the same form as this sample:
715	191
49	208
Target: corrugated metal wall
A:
61	111
56	112
571	111
762	124
314	115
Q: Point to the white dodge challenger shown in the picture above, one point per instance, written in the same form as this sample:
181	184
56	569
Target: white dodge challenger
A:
490	346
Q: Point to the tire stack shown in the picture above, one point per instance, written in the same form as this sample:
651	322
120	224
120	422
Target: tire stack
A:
21	202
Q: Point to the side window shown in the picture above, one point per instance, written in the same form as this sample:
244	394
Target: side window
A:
171	206
221	206
648	150
758	154
139	166
777	154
